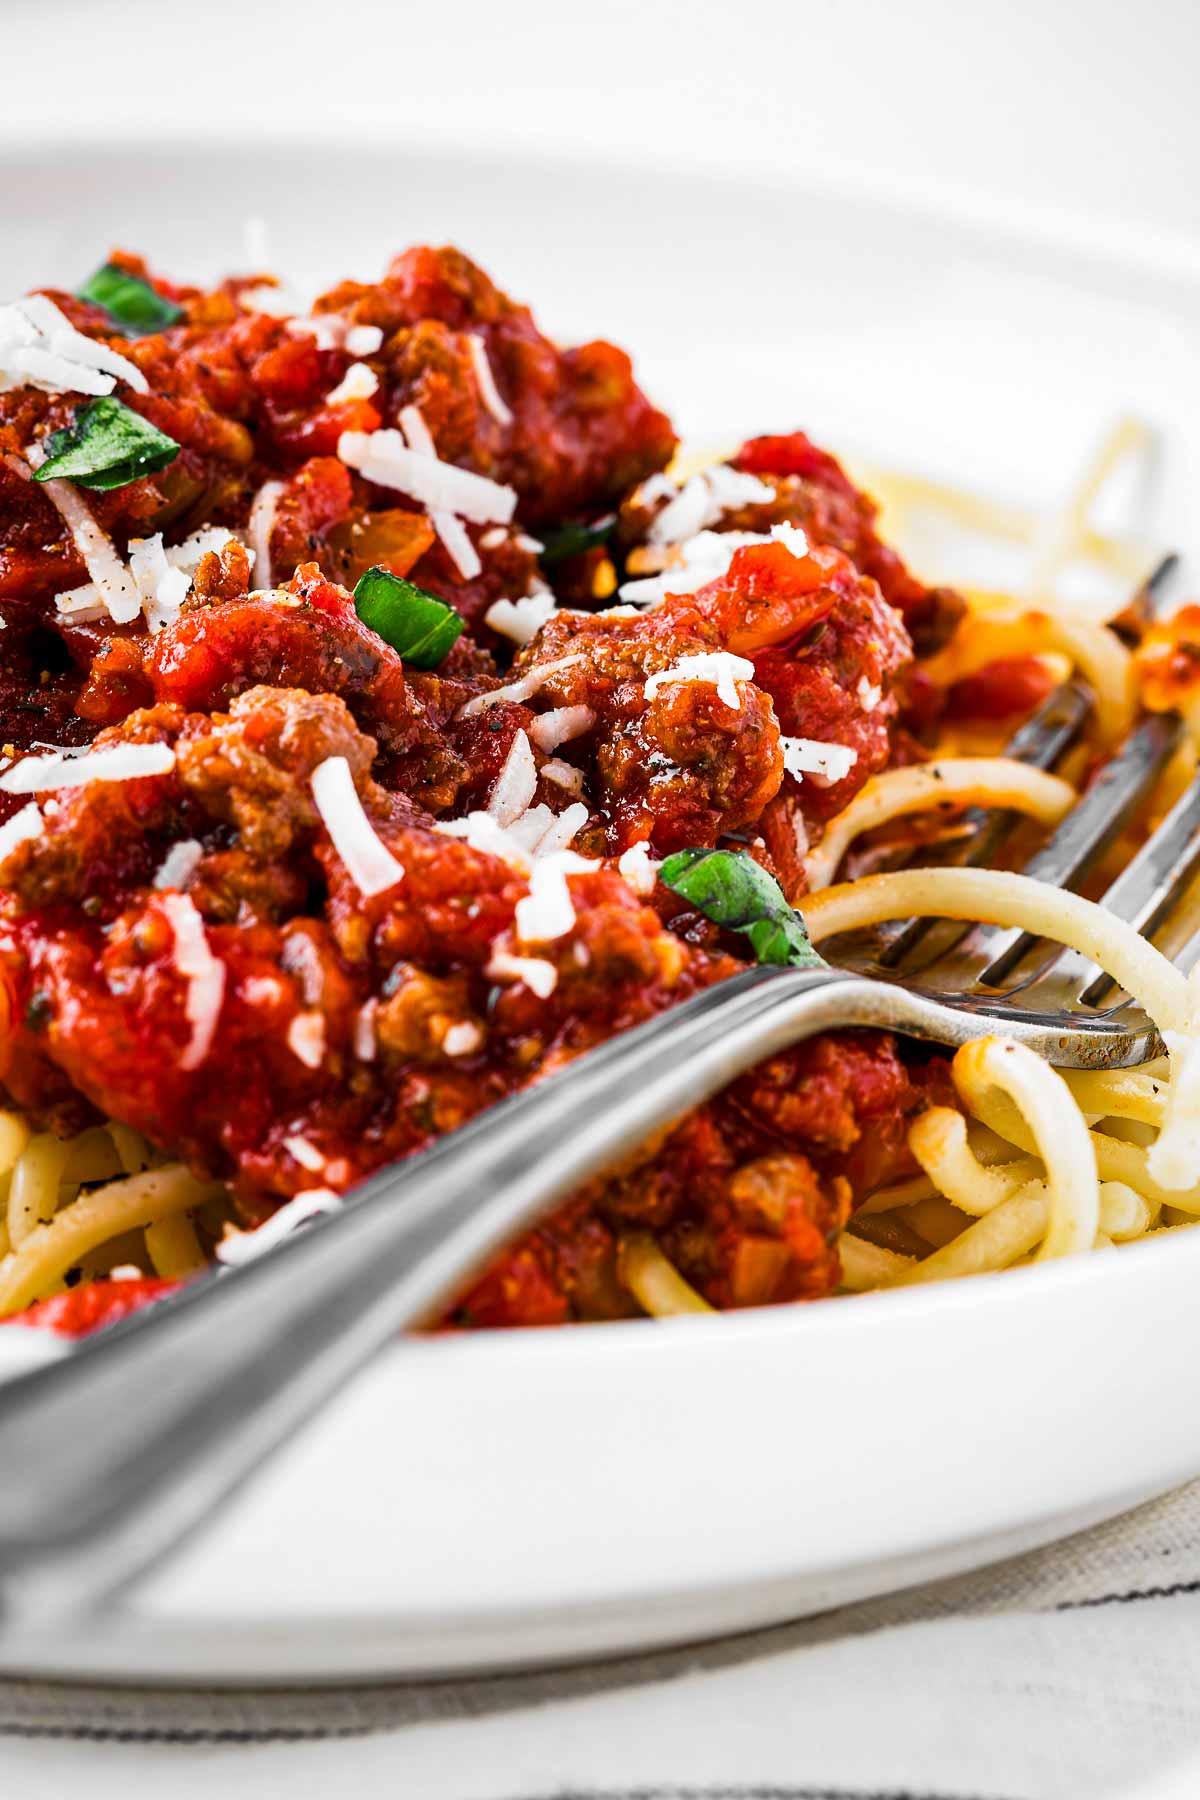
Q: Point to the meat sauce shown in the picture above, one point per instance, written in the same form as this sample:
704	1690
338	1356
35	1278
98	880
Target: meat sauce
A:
367	1027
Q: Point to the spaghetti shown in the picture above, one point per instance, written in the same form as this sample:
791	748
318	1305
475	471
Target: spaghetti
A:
468	573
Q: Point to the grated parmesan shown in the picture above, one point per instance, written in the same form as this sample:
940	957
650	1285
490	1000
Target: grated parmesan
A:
520	620
203	973
110	577
564	775
516	783
451	530
489	393
547	911
238	1247
560	725
825	763
704	499
385	458
119	762
541	978
704	558
639	868
179	864
306	1039
39	347
260	526
306	1154
720	667
22	828
520	690
358	383
368	861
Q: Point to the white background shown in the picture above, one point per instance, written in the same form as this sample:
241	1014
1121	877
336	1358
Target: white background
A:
1064	107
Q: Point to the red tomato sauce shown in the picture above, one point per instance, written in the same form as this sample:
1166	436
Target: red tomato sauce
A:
404	1026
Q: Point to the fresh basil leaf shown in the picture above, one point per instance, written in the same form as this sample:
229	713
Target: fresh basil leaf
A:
416	623
108	446
133	303
573	540
734	891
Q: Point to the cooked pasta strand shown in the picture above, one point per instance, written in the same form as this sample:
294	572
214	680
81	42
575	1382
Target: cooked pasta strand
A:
49	1250
1060	1135
962	781
173	1247
653	1280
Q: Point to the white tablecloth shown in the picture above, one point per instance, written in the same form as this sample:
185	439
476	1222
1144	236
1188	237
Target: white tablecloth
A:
1068	1674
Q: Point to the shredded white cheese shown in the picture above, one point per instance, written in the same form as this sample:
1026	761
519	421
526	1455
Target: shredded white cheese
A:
363	340
704	558
110	577
462	1039
516	783
451	530
457	544
179	864
306	1039
40	348
238	1247
162	588
522	689
547	911
520	620
489	393
369	863
260	526
720	667
564	775
639	868
704	499
306	1154
541	978
537	832
386	459
364	1031
826	763
560	725
540	832
869	695
119	762
203	973
358	383
23	827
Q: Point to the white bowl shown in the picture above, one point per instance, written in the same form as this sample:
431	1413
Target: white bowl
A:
505	1499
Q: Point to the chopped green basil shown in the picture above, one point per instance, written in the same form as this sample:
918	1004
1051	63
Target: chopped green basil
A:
132	302
573	540
732	890
108	446
417	624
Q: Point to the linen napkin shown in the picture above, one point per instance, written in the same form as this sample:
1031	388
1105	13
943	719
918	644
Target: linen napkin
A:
1070	1671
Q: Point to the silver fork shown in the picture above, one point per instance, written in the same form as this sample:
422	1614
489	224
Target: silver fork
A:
114	1454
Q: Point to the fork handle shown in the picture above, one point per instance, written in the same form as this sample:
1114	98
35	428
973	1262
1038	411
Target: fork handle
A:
113	1455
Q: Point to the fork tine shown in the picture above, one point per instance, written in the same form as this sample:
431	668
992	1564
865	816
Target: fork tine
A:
990	952
1040	742
1143	895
